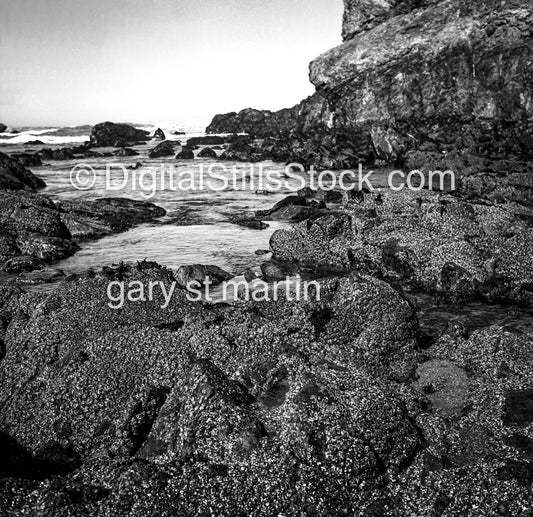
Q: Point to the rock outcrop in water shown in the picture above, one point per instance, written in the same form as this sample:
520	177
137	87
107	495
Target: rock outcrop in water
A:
300	119
15	176
107	134
34	230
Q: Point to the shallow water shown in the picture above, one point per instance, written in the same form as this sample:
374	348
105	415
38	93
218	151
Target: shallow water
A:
197	227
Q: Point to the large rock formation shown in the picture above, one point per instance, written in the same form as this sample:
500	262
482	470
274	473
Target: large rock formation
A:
422	75
300	119
109	133
15	176
456	249
35	230
450	72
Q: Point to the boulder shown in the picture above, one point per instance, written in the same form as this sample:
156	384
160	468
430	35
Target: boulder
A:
3	127
106	134
15	176
185	154
125	151
255	224
199	273
28	159
206	140
292	208
207	152
36	230
165	148
159	134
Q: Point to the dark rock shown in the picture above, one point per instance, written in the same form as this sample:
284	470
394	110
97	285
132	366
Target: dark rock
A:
43	276
251	223
125	151
165	148
518	407
107	133
241	150
117	214
14	175
22	263
206	140
199	273
207	152
273	271
57	154
185	154
159	134
28	159
3	127
332	196
377	34
249	275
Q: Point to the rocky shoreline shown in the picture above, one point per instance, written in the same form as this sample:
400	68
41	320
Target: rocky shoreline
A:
347	405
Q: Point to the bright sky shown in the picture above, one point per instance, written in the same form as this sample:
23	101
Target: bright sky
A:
66	62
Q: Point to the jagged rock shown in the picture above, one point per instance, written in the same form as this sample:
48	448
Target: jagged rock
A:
57	154
373	64
242	150
159	134
22	263
3	127
447	246
117	214
310	114
292	208
14	175
35	229
107	133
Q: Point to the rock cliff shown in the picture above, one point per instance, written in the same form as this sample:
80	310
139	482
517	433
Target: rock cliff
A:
448	72
435	76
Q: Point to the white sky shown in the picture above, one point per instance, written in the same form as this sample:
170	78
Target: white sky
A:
66	62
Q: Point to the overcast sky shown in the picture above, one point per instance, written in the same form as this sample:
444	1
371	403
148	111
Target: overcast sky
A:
84	61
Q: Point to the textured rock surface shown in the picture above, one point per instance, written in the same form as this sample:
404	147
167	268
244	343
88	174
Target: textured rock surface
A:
108	133
454	68
213	407
15	176
35	230
300	119
457	249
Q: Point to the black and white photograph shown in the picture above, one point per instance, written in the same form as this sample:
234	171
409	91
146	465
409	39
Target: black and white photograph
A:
266	259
